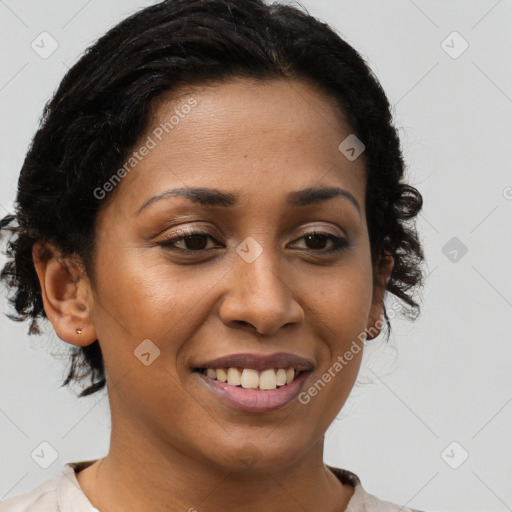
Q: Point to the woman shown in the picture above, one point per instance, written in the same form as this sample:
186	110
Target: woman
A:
212	212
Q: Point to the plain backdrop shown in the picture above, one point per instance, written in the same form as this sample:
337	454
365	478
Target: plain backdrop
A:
429	422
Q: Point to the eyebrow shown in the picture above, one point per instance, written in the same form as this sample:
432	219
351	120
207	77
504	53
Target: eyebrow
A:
215	197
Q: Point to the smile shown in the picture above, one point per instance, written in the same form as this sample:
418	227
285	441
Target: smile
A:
255	383
249	378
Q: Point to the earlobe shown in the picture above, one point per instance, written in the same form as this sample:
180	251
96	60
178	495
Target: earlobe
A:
66	295
376	317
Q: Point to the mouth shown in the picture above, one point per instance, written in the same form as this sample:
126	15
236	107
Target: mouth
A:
249	378
255	383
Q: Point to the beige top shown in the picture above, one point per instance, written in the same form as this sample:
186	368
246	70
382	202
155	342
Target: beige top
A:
64	494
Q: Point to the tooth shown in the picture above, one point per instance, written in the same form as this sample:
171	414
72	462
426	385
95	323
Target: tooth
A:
268	379
290	374
210	372
221	375
281	377
249	378
234	376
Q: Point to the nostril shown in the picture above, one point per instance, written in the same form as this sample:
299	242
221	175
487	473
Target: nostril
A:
243	323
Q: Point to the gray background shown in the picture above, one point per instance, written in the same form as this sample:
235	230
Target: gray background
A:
442	379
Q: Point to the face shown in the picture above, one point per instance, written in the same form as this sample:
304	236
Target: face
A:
257	272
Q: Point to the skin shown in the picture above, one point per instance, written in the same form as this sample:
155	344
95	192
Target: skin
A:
175	445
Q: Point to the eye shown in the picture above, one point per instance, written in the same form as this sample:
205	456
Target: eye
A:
318	240
193	241
196	241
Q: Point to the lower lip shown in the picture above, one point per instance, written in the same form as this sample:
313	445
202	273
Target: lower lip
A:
253	400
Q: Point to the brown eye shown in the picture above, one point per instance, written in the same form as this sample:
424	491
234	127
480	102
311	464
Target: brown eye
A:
316	242
190	241
195	242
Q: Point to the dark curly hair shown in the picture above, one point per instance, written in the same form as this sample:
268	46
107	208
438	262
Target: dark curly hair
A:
103	105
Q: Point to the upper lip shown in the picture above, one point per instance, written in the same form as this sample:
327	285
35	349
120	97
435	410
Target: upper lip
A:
259	361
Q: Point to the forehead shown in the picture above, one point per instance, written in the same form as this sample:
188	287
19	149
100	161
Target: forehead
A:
240	113
246	136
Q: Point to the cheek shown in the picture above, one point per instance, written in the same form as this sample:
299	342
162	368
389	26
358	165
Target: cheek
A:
143	317
343	311
339	355
343	297
140	297
343	304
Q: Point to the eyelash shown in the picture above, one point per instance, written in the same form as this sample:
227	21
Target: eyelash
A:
339	244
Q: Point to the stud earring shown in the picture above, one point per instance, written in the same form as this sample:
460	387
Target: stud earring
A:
79	331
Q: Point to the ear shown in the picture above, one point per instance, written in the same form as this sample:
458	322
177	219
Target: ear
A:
382	271
66	294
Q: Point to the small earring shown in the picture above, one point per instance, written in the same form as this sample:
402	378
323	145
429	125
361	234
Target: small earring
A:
79	331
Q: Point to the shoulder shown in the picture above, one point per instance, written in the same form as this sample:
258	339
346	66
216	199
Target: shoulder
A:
363	501
54	495
42	498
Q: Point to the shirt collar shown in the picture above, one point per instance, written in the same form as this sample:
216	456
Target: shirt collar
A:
70	496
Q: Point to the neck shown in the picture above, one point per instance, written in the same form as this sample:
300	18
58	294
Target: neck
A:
141	472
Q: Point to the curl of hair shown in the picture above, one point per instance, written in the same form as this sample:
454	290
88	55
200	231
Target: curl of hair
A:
102	108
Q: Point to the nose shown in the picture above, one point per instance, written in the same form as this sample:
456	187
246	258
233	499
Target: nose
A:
259	296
